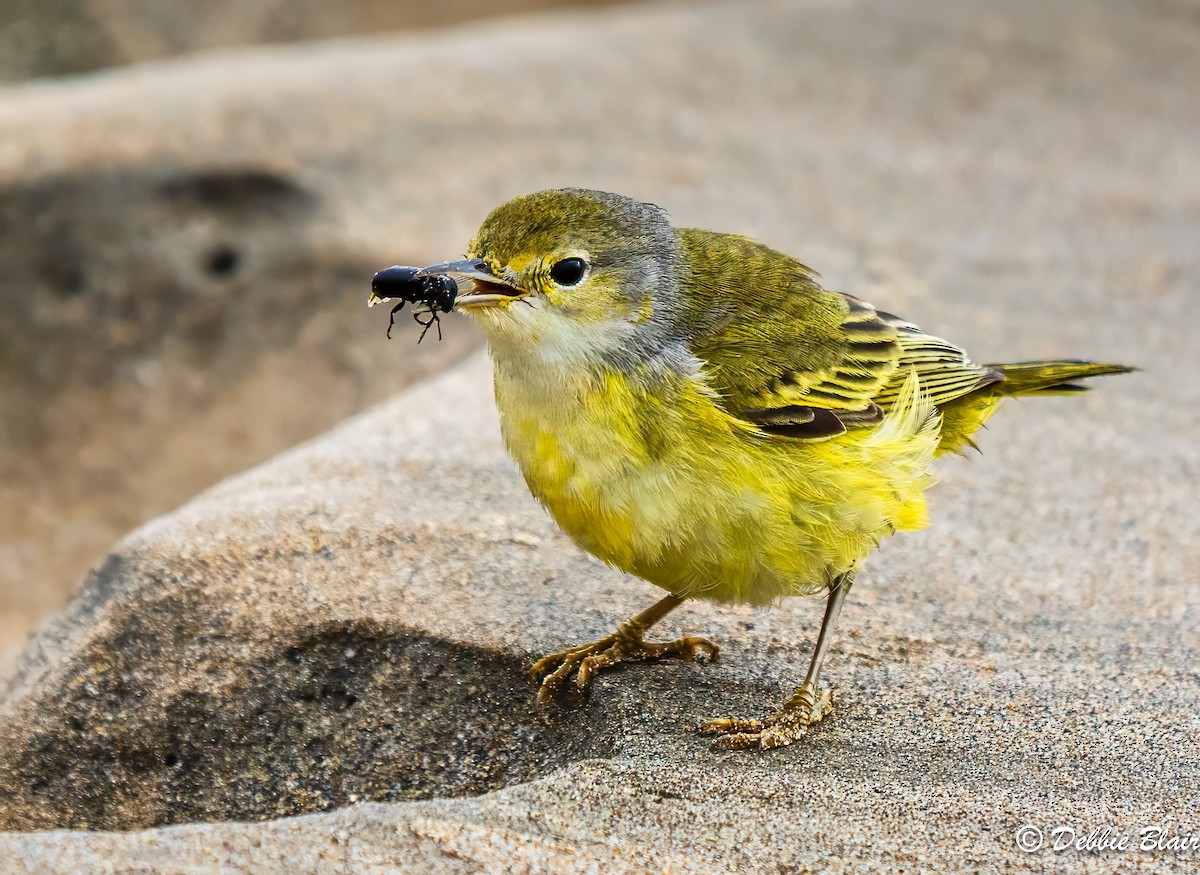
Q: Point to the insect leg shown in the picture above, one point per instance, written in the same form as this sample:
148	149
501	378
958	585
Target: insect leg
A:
392	317
433	319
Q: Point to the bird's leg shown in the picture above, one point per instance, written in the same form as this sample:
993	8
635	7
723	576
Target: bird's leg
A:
624	645
806	706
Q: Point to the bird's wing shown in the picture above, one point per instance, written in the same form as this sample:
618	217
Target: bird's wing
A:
801	361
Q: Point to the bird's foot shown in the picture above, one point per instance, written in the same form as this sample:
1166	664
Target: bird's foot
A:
789	724
624	645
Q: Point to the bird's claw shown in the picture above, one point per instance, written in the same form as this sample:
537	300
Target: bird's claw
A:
788	725
625	645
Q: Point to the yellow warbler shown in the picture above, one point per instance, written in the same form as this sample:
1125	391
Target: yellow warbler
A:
695	409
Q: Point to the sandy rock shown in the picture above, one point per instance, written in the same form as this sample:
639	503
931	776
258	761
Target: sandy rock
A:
349	623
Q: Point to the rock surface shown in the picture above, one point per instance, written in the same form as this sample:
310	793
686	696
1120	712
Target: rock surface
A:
350	622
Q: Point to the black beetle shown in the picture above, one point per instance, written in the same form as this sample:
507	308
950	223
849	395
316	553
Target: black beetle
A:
436	291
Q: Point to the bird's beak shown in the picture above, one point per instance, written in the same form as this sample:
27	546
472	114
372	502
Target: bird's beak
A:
486	288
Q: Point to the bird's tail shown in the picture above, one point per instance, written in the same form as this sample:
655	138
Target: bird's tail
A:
965	415
1050	378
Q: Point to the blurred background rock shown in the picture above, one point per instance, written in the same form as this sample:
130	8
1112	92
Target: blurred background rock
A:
174	275
63	37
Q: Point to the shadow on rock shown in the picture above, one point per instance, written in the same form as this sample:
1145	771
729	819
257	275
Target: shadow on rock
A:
335	713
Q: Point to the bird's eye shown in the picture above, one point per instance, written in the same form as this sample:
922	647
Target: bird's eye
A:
568	272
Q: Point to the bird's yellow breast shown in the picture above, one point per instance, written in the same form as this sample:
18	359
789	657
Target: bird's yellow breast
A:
650	474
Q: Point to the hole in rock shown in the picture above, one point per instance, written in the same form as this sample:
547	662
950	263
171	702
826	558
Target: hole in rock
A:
222	262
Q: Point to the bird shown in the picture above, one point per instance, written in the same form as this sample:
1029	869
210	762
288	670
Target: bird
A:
697	410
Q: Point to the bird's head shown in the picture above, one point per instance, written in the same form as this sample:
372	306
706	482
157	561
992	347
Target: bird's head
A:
571	275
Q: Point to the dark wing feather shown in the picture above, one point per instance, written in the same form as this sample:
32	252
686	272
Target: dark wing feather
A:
798	360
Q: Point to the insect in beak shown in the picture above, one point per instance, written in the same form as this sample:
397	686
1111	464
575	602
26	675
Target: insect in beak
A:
433	293
487	288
